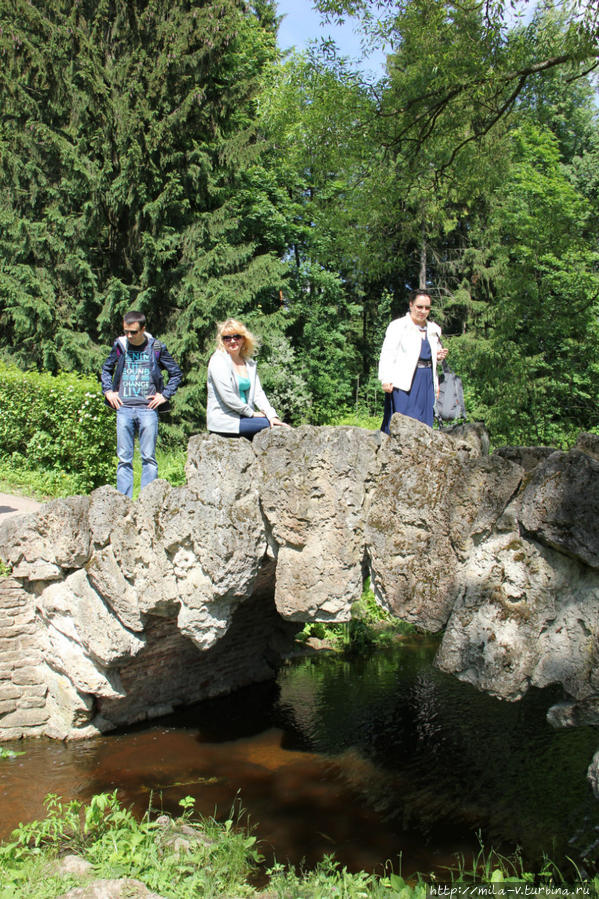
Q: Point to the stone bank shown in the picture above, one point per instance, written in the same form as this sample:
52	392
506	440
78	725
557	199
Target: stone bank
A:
117	611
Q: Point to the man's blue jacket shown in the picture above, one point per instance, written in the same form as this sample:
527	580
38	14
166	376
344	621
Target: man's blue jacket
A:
160	359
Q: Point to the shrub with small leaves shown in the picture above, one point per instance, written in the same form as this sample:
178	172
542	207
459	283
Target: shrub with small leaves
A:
56	423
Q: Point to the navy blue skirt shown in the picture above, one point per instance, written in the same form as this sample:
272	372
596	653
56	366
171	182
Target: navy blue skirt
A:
418	402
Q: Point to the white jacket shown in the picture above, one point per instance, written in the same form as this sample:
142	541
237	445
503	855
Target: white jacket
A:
225	406
401	351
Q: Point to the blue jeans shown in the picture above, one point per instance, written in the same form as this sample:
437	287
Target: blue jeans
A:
249	427
130	419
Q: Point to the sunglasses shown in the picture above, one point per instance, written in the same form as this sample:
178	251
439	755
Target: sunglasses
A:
228	337
131	331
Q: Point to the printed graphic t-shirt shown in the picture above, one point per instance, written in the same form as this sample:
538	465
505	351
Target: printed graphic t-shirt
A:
136	386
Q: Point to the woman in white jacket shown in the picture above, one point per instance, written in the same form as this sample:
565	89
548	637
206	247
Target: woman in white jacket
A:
237	405
408	363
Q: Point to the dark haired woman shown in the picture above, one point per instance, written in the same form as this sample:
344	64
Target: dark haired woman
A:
408	363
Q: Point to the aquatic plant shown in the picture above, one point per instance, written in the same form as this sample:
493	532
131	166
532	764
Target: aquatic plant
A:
9	753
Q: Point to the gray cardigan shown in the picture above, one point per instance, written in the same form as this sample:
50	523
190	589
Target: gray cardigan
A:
225	406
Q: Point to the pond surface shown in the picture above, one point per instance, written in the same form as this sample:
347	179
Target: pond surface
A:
375	759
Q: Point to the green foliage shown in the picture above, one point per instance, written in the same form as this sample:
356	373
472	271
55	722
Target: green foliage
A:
320	631
129	177
161	156
324	325
530	370
217	861
56	424
330	881
367	607
72	826
370	627
316	117
284	378
490	154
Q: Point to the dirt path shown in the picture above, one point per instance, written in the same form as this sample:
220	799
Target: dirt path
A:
11	504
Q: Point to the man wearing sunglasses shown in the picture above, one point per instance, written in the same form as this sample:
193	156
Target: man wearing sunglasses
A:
133	386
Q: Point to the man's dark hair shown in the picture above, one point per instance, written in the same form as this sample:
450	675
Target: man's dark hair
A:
420	292
135	318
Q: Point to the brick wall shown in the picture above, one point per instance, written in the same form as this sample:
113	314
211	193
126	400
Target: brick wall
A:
23	690
170	672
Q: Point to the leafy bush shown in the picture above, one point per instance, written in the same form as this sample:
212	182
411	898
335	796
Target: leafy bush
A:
330	881
56	424
177	858
186	859
370	627
283	379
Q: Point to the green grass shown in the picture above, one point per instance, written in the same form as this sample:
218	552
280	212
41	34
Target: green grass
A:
330	881
185	858
37	484
171	467
360	419
43	484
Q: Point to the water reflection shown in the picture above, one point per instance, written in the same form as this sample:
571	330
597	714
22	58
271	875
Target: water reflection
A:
455	760
369	760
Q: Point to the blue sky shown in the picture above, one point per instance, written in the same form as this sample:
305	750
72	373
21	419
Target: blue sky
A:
302	24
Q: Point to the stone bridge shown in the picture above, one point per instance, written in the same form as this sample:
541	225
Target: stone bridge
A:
117	611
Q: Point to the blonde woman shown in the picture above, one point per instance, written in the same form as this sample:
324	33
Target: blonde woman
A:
237	406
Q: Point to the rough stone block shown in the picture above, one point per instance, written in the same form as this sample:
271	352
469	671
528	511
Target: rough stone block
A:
25	676
9	690
560	502
38	570
32	702
23	718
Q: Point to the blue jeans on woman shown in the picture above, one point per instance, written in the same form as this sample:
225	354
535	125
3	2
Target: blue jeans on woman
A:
248	427
130	419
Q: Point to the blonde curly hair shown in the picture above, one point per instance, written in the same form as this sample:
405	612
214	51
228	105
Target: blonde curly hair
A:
233	326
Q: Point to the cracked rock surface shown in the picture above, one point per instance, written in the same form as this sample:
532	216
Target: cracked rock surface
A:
118	611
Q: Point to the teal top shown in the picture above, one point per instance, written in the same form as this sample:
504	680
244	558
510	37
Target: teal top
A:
244	387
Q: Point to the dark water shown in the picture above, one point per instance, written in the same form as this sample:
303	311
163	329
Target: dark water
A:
372	760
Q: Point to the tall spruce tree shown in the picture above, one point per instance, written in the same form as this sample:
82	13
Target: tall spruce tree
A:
127	132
